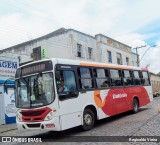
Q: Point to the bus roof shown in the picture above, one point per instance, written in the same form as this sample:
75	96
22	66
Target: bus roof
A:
96	64
88	63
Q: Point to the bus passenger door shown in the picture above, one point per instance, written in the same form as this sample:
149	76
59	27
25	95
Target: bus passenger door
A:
70	115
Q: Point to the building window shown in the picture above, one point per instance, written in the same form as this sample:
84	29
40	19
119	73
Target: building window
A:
109	56
133	63
89	53
37	53
127	60
79	50
119	58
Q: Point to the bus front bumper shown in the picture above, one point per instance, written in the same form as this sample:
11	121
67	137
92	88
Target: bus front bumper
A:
53	125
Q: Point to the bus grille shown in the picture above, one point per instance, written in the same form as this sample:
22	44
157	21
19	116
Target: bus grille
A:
37	115
33	125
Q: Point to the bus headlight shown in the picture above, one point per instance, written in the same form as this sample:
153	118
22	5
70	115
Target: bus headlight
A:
49	116
19	117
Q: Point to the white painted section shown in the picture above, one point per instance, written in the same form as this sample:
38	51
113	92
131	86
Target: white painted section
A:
150	92
2	112
70	120
101	114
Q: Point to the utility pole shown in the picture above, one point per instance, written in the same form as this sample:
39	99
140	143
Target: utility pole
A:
138	54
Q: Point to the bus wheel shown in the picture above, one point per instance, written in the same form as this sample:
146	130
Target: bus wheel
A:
157	95
135	105
88	119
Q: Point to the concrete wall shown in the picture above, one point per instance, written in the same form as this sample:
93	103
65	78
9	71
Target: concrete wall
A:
105	44
65	46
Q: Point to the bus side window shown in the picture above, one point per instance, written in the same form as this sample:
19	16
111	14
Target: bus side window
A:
136	78
127	78
116	77
102	78
66	85
85	78
145	78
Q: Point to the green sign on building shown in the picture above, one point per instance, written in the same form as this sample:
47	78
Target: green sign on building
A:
44	53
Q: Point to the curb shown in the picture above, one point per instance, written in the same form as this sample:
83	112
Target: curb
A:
8	130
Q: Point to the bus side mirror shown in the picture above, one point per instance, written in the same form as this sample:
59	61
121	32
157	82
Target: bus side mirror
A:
58	75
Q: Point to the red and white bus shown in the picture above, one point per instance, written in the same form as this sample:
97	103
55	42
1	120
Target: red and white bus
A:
91	91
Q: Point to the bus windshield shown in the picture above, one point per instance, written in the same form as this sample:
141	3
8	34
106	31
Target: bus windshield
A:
34	91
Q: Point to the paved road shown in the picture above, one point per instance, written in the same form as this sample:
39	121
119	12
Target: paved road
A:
144	123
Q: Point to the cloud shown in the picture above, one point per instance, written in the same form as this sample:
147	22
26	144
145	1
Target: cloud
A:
134	23
15	29
152	59
133	40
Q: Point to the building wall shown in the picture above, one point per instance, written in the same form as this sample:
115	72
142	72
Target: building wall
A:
86	42
155	81
105	44
65	46
134	59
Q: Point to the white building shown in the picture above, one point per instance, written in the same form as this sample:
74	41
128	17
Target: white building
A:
72	44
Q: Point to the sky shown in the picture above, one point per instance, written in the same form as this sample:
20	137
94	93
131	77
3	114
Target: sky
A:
135	23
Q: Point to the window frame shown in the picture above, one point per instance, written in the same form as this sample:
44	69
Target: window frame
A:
149	81
79	50
90	52
127	61
106	77
79	78
121	63
140	77
131	77
109	54
67	96
121	78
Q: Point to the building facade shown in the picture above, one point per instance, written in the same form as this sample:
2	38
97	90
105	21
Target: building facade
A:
155	81
8	67
72	44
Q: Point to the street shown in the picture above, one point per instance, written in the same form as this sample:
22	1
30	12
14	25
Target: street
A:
144	123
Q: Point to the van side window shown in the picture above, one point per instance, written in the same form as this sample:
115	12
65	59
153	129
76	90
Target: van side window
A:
85	78
145	78
136	78
127	78
116	77
102	78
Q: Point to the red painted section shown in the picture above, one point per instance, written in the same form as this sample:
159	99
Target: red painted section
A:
36	115
144	68
119	100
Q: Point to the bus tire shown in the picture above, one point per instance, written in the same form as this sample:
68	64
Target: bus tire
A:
157	95
135	105
88	119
